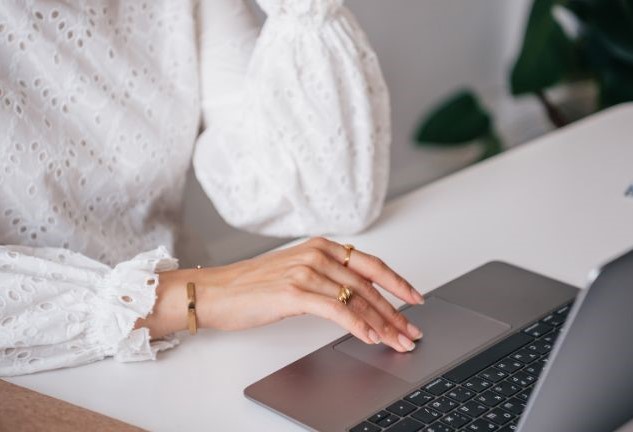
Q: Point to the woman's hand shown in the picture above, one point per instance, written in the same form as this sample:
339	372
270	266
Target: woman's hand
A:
302	279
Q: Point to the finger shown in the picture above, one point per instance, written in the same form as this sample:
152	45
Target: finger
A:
388	334
339	275
399	338
333	310
370	267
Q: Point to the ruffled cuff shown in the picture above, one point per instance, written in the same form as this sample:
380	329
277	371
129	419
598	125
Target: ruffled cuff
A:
123	296
138	347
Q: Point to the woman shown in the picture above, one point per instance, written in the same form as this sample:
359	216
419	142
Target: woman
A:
100	105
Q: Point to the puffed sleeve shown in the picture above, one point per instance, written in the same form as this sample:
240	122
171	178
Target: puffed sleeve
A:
297	123
60	309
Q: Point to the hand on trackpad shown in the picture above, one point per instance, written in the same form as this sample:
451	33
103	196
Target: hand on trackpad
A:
451	332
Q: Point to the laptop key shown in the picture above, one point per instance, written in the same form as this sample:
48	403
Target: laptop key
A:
499	416
439	387
406	425
460	394
443	404
401	408
554	320
508	428
388	421
535	368
523	379
477	384
426	415
455	419
540	347
550	338
509	365
480	425
365	427
525	394
378	416
564	311
419	397
481	361
525	356
492	374
489	398
473	408
538	329
439	427
506	388
514	405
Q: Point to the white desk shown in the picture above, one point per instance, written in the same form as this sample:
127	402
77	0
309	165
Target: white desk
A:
556	206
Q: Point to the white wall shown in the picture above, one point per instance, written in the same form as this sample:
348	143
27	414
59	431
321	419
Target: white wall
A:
427	49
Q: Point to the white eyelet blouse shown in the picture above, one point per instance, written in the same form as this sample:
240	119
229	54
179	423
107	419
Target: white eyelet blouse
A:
100	109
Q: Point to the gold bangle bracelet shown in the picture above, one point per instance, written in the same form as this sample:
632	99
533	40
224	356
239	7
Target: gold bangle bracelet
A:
192	320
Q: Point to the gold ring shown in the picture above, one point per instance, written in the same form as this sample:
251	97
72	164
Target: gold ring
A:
349	248
344	294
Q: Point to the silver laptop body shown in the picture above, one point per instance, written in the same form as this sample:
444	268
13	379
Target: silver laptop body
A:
586	386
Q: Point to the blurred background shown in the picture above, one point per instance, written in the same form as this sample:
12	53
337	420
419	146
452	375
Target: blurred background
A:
428	50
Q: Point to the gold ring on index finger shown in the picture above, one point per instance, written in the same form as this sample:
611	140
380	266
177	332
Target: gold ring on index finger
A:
348	249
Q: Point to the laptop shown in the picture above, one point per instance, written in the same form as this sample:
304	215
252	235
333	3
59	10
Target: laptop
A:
504	349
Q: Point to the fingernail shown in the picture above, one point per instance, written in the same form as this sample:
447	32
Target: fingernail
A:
414	331
406	342
417	296
374	336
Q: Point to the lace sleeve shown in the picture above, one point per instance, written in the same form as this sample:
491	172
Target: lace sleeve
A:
298	143
60	309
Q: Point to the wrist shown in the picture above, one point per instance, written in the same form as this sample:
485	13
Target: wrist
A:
169	314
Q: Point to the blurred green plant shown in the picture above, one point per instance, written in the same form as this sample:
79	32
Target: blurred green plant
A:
601	50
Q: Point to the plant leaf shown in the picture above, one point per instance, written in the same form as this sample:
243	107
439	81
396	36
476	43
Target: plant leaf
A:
492	146
614	76
616	83
458	120
547	54
612	20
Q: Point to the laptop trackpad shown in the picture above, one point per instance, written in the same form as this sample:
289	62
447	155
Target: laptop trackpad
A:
451	332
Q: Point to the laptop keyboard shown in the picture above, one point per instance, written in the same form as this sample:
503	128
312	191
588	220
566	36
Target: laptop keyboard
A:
488	392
